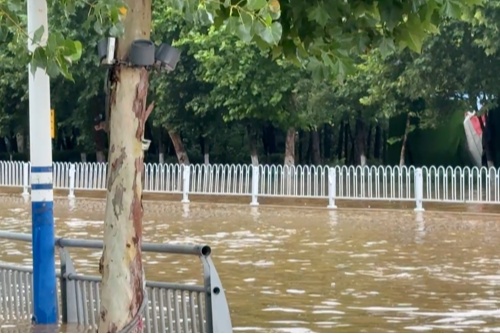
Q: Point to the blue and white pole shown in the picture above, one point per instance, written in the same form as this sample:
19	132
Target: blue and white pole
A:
42	196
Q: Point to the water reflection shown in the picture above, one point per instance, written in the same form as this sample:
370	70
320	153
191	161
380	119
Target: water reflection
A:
310	270
185	210
420	229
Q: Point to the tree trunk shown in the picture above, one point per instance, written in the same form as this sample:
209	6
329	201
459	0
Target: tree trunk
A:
7	144
377	144
347	131
269	139
486	141
123	282
360	141
316	149
205	150
252	142
100	157
403	144
301	146
340	142
290	147
83	157
20	142
384	146
180	151
327	142
369	142
161	147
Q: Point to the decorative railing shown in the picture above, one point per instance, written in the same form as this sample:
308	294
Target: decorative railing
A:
170	308
383	183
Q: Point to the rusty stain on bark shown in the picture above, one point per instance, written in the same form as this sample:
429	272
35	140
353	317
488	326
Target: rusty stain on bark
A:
141	112
115	168
118	200
115	79
136	208
136	214
101	262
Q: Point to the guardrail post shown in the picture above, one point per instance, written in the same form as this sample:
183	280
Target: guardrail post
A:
186	170
72	171
331	188
216	307
419	190
26	176
255	185
69	296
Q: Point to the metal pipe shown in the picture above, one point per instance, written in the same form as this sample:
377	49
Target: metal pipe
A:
199	250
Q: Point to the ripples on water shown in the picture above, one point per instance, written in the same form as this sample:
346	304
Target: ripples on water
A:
290	270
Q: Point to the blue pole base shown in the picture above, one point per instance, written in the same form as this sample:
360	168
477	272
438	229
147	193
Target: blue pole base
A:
44	266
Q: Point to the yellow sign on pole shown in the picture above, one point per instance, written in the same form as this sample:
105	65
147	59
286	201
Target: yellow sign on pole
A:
52	123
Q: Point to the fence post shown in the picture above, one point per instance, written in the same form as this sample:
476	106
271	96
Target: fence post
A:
72	171
26	176
69	292
331	187
419	190
185	183
255	185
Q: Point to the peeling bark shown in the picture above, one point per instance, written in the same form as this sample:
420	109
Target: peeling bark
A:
122	288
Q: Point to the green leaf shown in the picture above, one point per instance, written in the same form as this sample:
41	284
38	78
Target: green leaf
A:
238	27
452	8
413	34
256	5
386	47
319	14
272	34
38	34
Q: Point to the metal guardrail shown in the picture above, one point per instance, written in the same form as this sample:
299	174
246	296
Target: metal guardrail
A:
381	183
171	307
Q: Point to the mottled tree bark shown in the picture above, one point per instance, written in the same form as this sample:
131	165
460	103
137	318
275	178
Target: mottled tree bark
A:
122	288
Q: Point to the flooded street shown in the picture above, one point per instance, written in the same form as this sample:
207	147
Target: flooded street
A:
313	270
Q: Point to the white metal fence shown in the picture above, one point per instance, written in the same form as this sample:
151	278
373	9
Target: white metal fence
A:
384	183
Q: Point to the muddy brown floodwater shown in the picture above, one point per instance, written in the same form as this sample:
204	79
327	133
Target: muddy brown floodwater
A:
313	270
